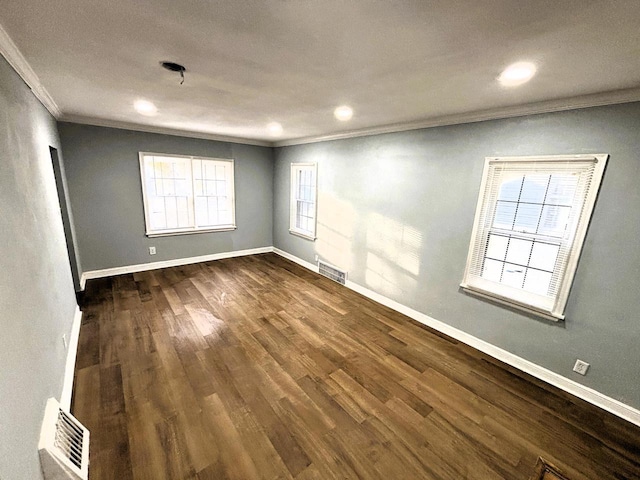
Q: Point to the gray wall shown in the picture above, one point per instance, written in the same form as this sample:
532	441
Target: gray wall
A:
103	176
397	210
36	289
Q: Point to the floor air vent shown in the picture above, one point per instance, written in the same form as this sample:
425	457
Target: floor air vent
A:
332	272
64	445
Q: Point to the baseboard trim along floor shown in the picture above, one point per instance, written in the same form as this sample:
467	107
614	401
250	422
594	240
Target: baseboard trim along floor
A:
585	393
70	366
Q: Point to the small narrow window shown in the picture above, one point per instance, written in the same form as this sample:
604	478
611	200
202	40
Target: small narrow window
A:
531	221
187	194
303	200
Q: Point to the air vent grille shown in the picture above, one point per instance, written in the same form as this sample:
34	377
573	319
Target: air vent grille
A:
332	272
69	438
64	445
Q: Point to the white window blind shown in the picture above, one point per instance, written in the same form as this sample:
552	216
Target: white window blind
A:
184	194
303	206
530	224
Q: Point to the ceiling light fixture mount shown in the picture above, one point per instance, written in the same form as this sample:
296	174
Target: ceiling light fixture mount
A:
517	74
343	113
175	67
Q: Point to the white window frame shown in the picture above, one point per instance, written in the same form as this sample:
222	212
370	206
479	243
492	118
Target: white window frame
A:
193	227
293	203
550	307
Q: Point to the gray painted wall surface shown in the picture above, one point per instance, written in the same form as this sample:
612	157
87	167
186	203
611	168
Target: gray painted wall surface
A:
397	210
36	288
103	176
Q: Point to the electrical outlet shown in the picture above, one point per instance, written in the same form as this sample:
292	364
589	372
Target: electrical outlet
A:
317	258
581	367
152	250
64	340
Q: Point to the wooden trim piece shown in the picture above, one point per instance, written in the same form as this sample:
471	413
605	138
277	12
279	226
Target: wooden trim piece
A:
69	370
9	50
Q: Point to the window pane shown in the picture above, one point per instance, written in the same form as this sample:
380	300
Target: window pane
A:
221	188
562	189
519	251
554	220
171	206
534	188
504	216
497	247
492	270
513	275
168	187
182	188
527	218
543	256
202	212
510	189
183	212
537	281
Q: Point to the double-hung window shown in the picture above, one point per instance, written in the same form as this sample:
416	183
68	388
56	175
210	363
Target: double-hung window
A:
530	223
303	206
184	194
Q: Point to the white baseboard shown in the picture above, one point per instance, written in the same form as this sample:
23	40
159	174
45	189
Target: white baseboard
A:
297	260
143	267
70	366
590	395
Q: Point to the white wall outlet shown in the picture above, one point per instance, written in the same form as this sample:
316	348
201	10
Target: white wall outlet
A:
64	340
152	250
317	258
581	367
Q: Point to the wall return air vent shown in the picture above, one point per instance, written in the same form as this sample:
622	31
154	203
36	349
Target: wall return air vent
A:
332	272
63	446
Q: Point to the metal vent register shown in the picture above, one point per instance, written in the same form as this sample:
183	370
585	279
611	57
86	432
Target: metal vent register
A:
64	445
332	272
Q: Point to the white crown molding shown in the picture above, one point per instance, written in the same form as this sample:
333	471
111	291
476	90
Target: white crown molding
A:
101	122
587	394
143	267
9	50
70	366
550	106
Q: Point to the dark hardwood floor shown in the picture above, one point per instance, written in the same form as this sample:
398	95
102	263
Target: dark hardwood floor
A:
255	368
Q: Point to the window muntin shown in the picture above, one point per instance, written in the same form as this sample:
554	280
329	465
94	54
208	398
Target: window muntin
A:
530	224
303	205
184	194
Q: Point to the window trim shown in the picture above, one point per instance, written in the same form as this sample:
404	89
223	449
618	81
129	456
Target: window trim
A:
292	201
556	312
186	230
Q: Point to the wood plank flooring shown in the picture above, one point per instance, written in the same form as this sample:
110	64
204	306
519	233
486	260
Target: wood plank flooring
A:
254	368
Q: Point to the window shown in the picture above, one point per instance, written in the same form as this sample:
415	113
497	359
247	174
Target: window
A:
530	223
186	194
303	200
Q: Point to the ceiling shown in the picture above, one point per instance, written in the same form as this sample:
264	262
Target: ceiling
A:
251	62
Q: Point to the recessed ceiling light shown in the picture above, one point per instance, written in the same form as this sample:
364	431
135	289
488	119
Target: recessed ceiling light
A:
343	113
145	107
517	74
275	129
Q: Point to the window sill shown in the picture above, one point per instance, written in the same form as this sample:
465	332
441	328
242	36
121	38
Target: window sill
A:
302	235
512	303
227	228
